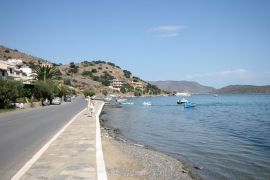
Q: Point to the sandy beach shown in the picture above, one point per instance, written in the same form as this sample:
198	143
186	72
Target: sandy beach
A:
125	160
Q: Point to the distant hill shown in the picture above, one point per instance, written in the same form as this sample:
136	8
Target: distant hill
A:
243	89
183	86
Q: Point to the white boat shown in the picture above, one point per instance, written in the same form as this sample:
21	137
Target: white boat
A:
121	100
147	103
127	103
181	101
182	94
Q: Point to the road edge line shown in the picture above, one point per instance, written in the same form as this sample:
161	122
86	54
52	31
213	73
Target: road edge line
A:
101	170
30	162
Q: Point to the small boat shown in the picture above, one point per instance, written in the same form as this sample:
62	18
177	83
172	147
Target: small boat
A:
189	105
181	101
215	95
147	103
182	94
121	100
127	103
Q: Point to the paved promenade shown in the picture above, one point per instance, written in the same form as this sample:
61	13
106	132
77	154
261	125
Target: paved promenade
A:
73	154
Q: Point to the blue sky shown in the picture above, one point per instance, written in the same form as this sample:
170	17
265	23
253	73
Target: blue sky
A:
213	42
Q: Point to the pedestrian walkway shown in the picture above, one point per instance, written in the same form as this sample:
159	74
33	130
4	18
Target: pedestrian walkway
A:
73	154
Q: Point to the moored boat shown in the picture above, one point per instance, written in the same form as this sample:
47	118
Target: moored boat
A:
181	101
189	105
147	103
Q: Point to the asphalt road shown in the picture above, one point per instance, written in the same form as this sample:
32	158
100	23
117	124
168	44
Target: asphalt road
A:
23	133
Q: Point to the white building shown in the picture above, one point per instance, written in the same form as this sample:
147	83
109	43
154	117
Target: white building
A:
116	84
136	84
27	70
12	69
17	62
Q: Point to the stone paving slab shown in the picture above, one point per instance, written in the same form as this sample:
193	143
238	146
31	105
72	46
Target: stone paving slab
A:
72	155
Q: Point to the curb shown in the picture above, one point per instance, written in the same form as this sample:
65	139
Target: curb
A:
101	170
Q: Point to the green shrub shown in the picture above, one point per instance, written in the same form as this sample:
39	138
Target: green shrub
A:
105	92
99	62
137	93
87	73
67	82
89	92
45	89
64	90
10	90
73	68
106	78
94	71
127	73
95	78
105	82
123	90
110	63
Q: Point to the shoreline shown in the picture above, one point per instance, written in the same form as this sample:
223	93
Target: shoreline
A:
125	159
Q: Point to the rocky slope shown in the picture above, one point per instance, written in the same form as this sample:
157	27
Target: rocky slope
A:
7	53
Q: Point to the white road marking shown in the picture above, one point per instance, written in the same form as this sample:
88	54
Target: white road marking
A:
29	163
101	170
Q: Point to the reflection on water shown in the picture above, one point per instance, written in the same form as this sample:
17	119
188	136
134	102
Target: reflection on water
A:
228	135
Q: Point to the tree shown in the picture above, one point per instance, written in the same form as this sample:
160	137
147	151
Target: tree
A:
67	82
73	68
123	90
63	90
87	73
137	93
105	92
127	73
89	92
9	91
46	72
45	90
94	71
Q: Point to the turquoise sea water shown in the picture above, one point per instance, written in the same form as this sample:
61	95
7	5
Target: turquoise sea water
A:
227	136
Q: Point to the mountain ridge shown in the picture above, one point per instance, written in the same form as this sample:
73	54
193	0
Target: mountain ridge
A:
195	87
183	86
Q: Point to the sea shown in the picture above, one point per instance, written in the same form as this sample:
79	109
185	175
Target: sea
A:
224	137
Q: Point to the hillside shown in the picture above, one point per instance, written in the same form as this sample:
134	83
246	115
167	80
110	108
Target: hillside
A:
97	74
7	53
243	89
182	86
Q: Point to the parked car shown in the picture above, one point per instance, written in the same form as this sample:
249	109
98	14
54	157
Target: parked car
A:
67	99
46	102
56	100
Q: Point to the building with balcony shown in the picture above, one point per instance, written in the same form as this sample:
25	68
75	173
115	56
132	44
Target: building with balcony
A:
137	84
116	84
15	70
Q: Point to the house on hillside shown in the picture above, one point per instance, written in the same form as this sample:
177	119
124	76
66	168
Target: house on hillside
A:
137	84
14	69
116	84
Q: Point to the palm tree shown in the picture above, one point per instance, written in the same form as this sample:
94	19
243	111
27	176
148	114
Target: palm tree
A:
44	72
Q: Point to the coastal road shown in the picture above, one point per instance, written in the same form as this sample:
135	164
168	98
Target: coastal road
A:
23	133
